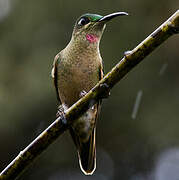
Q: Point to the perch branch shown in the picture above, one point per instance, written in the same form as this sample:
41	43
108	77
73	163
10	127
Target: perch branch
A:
130	60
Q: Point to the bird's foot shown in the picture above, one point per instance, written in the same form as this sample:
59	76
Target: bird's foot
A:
106	91
61	113
82	93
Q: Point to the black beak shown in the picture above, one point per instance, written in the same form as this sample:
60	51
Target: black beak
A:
111	16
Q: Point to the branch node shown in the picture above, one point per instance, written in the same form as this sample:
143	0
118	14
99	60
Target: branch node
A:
174	28
127	53
106	90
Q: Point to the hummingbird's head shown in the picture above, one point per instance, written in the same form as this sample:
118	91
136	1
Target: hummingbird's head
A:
89	27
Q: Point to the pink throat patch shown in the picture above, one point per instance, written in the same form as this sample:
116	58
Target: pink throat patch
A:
91	38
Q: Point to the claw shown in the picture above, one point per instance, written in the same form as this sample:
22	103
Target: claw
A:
61	113
83	93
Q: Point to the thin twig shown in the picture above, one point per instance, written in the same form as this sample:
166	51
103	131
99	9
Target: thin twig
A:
130	60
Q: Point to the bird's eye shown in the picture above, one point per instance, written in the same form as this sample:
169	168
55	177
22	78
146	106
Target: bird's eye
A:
83	21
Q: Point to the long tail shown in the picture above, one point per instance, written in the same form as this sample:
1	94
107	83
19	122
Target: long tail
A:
86	153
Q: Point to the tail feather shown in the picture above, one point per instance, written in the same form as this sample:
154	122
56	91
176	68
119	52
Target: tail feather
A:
87	155
86	152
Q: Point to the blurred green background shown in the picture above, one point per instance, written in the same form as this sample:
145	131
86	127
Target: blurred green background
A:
144	147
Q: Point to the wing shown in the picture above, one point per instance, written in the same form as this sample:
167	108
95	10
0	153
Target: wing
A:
54	74
101	71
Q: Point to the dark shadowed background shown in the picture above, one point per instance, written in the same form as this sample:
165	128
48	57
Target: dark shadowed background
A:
138	130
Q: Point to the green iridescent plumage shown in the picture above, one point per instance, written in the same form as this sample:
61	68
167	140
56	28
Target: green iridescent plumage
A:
92	17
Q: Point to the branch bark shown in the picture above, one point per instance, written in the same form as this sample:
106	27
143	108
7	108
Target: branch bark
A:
58	127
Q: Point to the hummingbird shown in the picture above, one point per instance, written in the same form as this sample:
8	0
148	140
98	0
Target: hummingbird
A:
76	70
